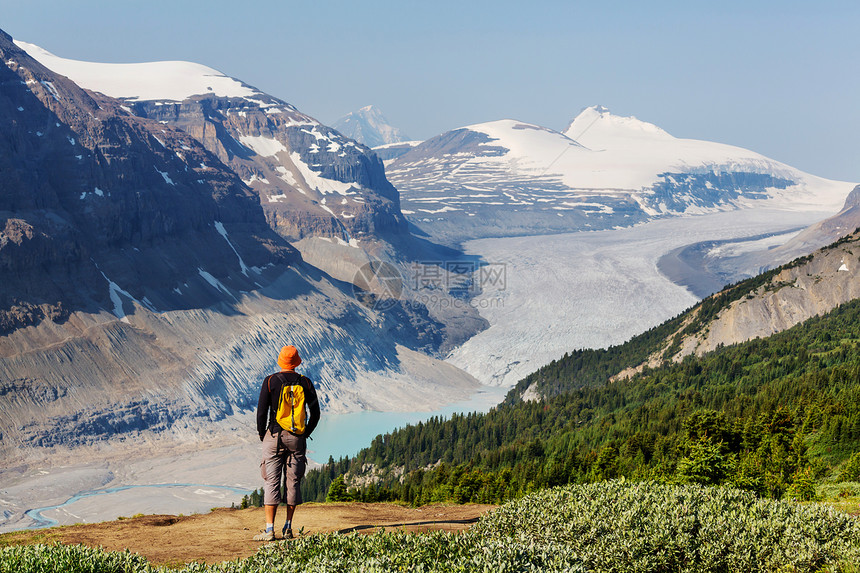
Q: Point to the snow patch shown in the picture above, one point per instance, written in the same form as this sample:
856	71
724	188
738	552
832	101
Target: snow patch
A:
50	87
254	178
445	209
219	226
115	292
167	179
318	182
261	145
218	285
287	176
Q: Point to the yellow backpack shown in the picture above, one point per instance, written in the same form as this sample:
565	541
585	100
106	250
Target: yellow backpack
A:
290	414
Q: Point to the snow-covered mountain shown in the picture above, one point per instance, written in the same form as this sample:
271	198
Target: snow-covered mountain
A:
509	177
311	180
370	127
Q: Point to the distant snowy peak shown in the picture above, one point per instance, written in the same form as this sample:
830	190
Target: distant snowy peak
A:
509	177
150	81
370	127
597	126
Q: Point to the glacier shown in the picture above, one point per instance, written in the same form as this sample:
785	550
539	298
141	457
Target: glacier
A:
589	289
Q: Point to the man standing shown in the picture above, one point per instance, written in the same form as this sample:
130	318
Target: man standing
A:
286	398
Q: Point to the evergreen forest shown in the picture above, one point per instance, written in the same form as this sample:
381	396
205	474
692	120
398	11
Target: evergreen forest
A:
775	416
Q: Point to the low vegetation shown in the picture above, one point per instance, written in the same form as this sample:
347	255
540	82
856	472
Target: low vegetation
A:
614	525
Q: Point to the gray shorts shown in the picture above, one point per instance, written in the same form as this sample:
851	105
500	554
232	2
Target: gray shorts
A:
286	459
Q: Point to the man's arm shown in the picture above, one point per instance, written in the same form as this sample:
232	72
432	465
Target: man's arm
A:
263	405
313	405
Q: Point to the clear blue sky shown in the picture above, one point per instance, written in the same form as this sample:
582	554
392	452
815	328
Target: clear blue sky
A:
779	77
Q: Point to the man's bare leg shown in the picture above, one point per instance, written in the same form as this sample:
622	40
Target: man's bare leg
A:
271	511
269	533
288	526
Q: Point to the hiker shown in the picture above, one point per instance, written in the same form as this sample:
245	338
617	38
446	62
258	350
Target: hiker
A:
284	427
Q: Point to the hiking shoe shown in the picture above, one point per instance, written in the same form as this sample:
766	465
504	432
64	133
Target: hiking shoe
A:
288	534
265	536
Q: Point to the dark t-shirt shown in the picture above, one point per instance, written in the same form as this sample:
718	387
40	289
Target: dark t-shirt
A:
267	406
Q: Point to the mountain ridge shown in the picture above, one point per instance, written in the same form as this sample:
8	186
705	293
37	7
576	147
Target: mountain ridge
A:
311	181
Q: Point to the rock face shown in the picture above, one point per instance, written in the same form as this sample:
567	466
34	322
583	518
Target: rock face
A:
807	287
310	179
370	127
509	177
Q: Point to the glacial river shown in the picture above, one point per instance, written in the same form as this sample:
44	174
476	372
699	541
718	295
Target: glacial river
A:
39	520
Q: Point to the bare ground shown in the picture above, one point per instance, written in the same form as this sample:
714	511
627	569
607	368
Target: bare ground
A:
226	534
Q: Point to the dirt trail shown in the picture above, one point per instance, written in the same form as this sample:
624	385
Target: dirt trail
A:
226	534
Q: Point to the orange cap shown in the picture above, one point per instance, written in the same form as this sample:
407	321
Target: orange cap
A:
288	359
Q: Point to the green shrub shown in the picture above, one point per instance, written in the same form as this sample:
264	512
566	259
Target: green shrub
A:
69	559
851	469
614	526
619	526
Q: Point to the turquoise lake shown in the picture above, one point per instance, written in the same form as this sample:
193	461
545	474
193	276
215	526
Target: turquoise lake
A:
345	434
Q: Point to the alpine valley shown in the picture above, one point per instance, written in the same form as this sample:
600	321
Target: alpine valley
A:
165	228
148	272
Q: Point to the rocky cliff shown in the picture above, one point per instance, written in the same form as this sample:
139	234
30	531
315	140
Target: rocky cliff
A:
310	179
807	287
769	303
